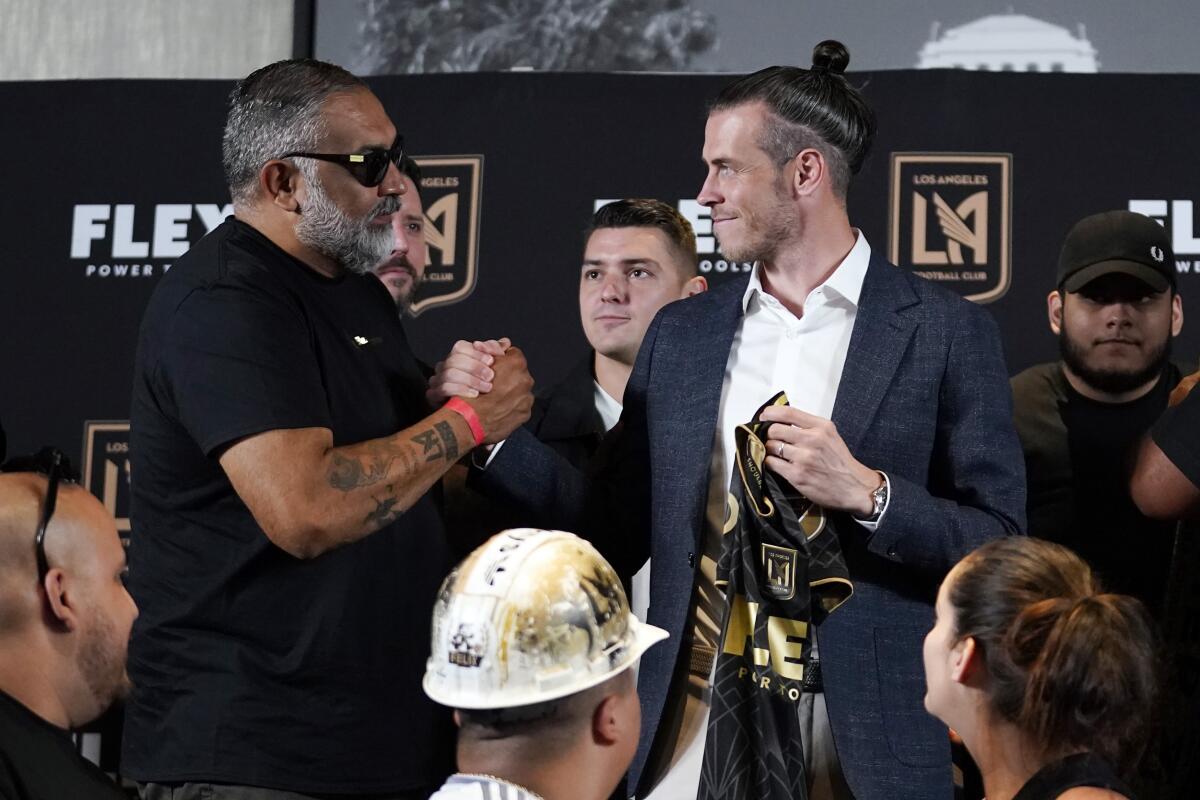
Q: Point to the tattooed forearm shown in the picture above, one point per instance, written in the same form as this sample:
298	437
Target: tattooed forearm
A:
438	442
384	512
448	439
351	473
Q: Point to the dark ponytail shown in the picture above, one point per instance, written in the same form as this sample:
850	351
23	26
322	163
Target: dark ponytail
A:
1072	668
814	107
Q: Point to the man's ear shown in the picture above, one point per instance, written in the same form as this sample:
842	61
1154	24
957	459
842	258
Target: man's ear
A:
61	599
607	724
694	286
1176	314
1054	310
810	172
964	660
280	183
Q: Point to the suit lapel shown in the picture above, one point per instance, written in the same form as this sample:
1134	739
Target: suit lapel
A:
699	353
880	337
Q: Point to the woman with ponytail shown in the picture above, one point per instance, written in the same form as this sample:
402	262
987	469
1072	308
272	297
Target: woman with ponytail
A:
1049	682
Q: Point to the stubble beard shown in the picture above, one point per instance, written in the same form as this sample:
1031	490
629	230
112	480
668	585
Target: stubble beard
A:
765	233
102	663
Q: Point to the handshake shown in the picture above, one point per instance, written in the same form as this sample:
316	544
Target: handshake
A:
493	378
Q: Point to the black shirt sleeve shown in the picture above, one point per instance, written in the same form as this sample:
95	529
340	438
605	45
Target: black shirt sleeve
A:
1177	434
240	360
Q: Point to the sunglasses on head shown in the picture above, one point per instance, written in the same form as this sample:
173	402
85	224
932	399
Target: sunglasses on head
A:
56	467
368	167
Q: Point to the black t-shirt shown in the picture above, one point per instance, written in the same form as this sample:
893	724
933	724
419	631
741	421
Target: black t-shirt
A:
1080	769
1077	460
251	666
38	761
1177	434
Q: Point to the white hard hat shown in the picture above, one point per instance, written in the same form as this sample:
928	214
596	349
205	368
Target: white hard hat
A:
530	616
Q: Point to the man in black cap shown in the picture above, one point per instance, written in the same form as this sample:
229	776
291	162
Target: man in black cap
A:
1115	311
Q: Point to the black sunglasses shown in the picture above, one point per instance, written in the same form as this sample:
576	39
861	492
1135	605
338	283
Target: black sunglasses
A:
368	167
53	463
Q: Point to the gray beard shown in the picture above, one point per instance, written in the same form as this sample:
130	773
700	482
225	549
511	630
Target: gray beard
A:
355	244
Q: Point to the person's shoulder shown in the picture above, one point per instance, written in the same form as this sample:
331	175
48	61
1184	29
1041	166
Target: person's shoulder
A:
1037	392
232	253
1091	793
932	294
1039	376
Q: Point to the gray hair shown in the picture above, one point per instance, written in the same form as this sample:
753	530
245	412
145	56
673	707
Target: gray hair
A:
275	110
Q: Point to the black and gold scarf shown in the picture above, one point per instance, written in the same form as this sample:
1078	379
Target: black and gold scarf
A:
782	570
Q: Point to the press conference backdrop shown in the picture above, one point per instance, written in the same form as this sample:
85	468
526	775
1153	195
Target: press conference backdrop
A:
973	181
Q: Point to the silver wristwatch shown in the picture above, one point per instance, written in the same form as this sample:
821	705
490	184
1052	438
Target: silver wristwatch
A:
879	499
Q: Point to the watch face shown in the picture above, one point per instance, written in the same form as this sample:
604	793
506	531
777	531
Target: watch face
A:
879	497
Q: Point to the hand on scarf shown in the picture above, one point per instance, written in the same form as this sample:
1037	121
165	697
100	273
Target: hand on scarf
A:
816	461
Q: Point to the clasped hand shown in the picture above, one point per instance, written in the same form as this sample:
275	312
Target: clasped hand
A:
493	377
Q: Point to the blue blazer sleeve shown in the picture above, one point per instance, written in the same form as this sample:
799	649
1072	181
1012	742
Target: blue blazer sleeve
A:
609	504
976	484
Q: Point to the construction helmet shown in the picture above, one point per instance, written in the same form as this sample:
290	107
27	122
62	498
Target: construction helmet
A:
530	616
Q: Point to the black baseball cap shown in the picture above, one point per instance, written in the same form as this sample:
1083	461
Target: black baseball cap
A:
1117	241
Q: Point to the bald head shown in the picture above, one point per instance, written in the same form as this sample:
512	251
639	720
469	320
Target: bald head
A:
72	628
81	539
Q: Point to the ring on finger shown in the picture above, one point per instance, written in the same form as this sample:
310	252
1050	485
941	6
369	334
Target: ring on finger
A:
779	451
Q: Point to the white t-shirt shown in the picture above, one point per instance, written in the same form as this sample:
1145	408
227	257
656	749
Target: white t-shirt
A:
481	787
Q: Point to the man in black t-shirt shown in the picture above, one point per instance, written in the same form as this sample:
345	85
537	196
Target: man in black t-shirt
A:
1115	311
286	545
64	626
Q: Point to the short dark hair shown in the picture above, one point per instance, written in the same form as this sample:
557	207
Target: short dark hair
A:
648	213
552	724
1069	666
412	169
274	110
814	107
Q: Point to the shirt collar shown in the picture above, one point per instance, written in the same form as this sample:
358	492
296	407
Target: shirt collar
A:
846	280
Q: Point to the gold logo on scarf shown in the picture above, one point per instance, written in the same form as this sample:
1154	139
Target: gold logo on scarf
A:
779	568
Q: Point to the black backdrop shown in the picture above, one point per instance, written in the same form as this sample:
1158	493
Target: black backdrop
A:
551	145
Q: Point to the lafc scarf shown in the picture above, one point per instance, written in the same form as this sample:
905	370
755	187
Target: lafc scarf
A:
782	570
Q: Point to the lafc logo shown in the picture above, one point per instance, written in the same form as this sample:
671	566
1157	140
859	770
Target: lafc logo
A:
451	187
779	569
106	466
949	220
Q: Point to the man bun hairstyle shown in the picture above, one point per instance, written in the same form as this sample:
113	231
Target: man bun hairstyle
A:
275	110
1072	667
648	213
815	107
830	56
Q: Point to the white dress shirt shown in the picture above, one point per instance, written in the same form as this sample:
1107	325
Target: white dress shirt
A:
772	350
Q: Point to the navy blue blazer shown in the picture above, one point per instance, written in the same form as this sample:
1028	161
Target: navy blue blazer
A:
924	396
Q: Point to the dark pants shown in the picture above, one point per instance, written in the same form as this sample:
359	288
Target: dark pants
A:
221	791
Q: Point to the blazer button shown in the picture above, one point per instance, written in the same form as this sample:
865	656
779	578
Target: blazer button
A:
691	559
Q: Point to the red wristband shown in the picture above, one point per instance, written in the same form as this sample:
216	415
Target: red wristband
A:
463	409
